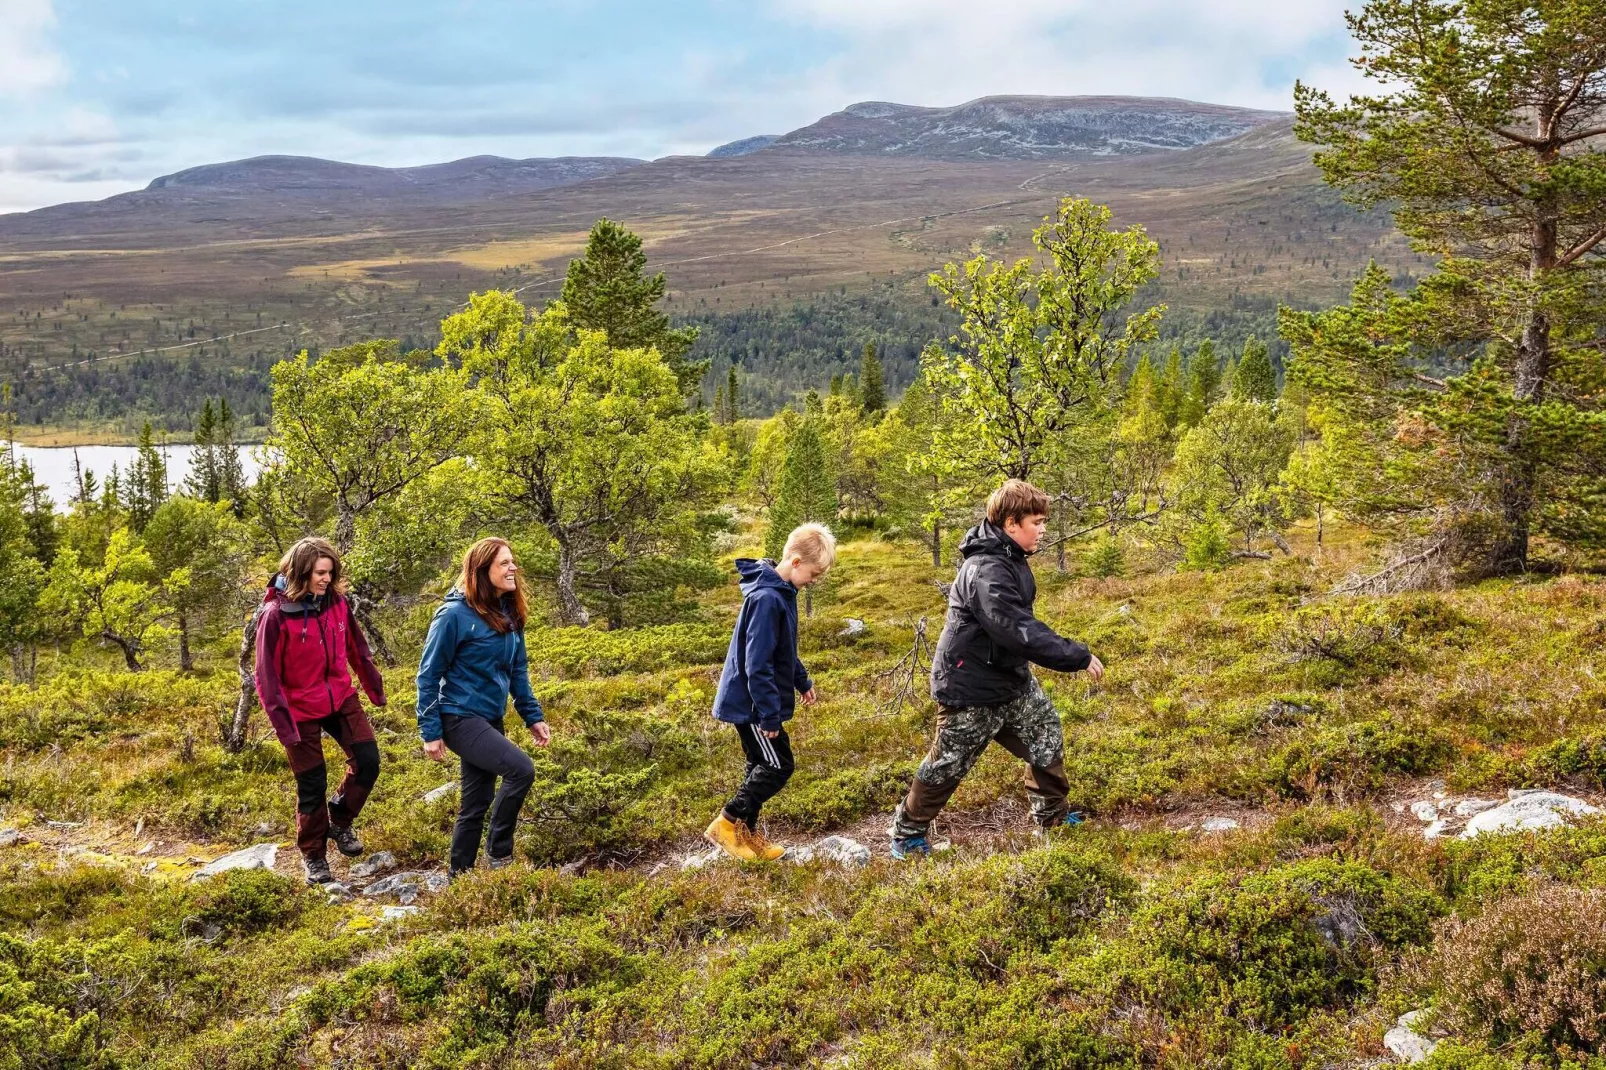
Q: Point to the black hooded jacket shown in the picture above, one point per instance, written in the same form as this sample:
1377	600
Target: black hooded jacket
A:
991	637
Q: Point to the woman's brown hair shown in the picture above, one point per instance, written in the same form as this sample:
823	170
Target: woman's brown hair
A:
298	562
481	594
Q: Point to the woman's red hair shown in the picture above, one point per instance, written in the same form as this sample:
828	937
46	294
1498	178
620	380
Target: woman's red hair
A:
481	594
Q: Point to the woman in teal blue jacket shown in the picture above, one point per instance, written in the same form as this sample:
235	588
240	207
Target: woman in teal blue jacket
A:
473	660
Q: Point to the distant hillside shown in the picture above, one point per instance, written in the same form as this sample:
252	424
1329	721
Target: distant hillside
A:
744	146
1024	128
267	189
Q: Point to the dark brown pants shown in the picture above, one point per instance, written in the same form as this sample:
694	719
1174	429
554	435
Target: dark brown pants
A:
349	727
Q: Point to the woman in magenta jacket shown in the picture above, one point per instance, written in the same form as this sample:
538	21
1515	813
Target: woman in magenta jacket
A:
307	645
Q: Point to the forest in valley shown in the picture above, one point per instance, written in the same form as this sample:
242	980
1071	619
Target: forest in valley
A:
1345	774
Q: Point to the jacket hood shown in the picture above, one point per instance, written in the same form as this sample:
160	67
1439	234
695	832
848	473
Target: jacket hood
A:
756	575
454	595
276	592
989	538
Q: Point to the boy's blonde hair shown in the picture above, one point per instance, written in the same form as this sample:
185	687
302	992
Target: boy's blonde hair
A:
813	543
1016	500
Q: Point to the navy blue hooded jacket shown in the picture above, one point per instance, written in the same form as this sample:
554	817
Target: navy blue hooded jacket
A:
762	676
469	668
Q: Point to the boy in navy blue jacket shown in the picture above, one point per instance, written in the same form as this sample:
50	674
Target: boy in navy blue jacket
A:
762	676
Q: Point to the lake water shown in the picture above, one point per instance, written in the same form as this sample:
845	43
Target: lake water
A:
53	465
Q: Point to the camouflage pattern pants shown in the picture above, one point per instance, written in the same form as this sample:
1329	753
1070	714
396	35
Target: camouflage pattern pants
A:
1028	727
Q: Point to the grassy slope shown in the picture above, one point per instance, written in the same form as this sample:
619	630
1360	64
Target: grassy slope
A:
1131	943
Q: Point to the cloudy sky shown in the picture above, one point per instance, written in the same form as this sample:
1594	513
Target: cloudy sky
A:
101	96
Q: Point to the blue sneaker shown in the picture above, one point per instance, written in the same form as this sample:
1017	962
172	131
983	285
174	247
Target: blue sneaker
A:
908	847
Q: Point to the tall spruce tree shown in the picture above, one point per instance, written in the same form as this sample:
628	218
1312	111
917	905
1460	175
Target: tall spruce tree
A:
146	486
1487	141
1254	379
1204	383
607	290
807	492
733	408
204	481
872	381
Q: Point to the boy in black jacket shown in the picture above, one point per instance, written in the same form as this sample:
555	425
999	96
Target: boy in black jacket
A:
981	674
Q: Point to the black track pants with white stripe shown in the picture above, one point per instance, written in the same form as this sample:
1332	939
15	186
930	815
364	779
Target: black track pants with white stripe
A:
769	767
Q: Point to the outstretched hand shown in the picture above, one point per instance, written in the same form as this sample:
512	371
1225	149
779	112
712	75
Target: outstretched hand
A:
542	733
1095	669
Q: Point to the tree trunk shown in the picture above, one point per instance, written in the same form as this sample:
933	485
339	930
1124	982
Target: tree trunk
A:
345	530
186	661
24	657
936	544
1528	389
234	735
808	601
362	608
569	608
130	649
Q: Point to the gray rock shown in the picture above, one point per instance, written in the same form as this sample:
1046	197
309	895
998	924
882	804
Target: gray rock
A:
257	856
374	865
854	628
65	824
1530	810
1435	829
1406	1043
1425	811
397	913
9	837
838	850
1218	824
436	794
702	859
408	886
266	828
1468	807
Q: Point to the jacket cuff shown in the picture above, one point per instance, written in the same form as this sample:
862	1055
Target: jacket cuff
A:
540	715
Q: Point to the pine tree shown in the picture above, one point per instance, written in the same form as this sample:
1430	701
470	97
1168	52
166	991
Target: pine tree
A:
733	409
807	493
872	382
721	410
204	481
835	389
146	488
1169	387
1254	379
807	489
607	290
1204	383
231	473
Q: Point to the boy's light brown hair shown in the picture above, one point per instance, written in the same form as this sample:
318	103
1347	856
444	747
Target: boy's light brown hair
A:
1016	500
814	543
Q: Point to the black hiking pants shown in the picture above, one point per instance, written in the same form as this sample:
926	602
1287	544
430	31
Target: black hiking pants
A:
769	767
485	753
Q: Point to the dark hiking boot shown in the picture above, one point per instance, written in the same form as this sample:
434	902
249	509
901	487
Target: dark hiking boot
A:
318	873
346	840
499	863
1070	820
910	847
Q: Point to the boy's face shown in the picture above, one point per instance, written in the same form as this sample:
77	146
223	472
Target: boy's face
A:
804	573
1027	532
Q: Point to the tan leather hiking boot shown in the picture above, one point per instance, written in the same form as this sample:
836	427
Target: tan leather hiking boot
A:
731	837
763	850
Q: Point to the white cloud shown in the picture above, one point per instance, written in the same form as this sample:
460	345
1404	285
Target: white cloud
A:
28	57
940	52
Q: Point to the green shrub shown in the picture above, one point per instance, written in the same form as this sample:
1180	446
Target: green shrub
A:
1356	757
578	651
242	901
1105	559
37	1031
1344	640
1265	950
